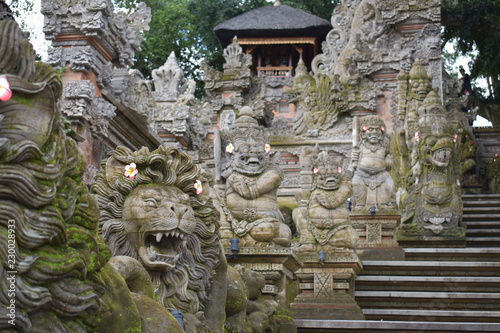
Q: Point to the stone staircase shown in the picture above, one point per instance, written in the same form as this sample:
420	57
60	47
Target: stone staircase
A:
434	289
481	214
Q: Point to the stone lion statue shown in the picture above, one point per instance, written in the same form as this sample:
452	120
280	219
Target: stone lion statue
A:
154	209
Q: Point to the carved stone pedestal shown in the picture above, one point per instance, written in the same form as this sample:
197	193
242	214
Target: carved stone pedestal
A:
377	237
326	288
277	264
407	238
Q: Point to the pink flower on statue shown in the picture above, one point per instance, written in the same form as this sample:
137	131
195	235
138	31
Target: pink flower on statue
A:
339	169
364	128
5	92
198	186
417	137
382	128
131	171
315	170
229	148
455	137
267	147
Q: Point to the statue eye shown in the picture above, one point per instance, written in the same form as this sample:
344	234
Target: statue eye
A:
150	202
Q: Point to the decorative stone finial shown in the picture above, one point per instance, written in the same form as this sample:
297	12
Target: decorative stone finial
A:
277	3
418	71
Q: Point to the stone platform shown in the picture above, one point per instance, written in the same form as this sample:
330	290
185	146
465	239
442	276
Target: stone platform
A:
377	237
326	287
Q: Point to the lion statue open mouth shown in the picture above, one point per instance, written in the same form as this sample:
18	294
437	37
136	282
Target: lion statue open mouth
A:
158	220
157	217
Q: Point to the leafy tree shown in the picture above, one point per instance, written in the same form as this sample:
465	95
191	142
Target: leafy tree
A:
474	26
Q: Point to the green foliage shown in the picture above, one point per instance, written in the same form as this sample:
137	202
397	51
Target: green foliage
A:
475	25
321	8
186	27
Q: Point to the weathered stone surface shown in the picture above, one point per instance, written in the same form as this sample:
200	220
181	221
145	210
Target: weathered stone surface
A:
250	201
178	114
155	214
323	224
49	248
372	184
430	199
154	318
118	33
247	311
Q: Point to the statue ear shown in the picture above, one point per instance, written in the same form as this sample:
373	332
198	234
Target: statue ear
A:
114	170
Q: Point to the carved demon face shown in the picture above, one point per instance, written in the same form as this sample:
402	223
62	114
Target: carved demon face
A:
373	134
157	220
420	88
250	158
437	151
328	177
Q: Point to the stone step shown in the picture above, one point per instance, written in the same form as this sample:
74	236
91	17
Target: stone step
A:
480	197
431	268
481	217
428	283
482	224
372	326
483	232
435	315
480	203
453	254
483	202
482	210
482	241
429	300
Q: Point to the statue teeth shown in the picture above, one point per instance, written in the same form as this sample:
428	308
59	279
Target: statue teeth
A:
158	237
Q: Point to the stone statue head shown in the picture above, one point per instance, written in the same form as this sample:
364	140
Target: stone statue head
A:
328	173
437	135
420	81
372	129
251	151
158	213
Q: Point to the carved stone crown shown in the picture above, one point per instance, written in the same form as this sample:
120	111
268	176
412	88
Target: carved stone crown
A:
432	114
246	128
371	121
418	71
324	160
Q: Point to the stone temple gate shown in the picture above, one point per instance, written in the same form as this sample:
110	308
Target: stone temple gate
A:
326	165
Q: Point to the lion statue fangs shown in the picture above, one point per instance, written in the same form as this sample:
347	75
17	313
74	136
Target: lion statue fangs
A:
200	270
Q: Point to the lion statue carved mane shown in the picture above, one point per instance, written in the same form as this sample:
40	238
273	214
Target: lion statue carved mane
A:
157	217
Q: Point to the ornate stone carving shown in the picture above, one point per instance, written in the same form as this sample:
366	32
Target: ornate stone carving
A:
321	105
250	199
156	216
247	311
178	112
169	81
368	36
431	200
233	54
54	267
372	184
80	105
133	91
324	223
119	33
